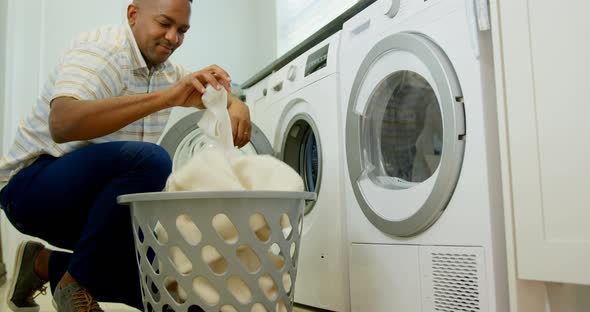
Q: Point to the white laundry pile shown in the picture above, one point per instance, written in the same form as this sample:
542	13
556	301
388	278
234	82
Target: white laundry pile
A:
222	167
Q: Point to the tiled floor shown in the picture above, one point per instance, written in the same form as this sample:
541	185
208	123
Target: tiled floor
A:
45	302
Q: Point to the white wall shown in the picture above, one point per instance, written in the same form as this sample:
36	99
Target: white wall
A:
3	22
21	85
59	29
297	20
264	45
237	35
3	7
22	66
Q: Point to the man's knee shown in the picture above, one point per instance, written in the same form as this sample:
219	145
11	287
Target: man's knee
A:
150	158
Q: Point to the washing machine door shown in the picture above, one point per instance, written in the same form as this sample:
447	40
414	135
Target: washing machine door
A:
405	133
185	139
302	150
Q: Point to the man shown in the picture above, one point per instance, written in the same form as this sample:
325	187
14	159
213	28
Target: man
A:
90	139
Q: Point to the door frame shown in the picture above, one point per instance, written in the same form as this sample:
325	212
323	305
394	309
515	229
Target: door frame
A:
451	106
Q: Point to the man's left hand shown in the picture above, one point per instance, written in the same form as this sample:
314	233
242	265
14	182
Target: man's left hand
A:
239	114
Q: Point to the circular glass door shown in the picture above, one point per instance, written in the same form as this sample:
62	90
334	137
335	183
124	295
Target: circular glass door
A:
301	150
185	139
404	126
405	133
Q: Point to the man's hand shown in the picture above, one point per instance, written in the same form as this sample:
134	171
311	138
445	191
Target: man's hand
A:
239	114
188	92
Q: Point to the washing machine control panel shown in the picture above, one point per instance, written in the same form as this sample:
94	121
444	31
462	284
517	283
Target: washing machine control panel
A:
317	60
312	65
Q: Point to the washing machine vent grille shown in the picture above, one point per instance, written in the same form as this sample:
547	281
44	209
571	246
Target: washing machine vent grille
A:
454	279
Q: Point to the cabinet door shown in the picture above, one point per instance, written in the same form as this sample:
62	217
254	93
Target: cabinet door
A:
546	53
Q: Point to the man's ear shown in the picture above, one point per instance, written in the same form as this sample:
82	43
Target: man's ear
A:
132	14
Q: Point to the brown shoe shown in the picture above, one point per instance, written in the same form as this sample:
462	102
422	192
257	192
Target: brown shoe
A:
74	298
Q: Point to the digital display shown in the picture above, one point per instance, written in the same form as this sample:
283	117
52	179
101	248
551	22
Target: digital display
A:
317	60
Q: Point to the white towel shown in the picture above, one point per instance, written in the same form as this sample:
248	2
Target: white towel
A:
206	171
265	172
215	121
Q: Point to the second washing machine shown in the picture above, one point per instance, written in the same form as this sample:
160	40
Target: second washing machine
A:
299	116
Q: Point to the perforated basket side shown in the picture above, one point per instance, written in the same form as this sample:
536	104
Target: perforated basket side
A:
176	268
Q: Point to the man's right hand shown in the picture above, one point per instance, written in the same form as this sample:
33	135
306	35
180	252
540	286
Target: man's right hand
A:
188	91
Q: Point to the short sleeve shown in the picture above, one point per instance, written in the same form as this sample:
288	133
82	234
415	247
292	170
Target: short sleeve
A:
88	71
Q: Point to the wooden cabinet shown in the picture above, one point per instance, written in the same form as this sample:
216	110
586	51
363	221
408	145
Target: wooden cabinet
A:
544	83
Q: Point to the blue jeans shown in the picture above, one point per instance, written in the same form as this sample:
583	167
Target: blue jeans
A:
71	202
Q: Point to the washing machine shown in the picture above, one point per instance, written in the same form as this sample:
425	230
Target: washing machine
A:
422	175
297	109
256	94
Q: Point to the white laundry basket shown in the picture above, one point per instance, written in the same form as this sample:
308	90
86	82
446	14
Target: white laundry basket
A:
217	251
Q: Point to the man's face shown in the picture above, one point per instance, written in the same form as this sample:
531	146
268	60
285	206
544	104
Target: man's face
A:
159	27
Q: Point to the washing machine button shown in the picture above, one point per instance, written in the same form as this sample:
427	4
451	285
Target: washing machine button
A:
393	8
292	73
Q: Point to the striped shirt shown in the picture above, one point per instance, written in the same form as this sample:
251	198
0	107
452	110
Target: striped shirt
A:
100	64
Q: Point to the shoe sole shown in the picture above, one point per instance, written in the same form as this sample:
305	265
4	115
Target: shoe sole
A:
20	251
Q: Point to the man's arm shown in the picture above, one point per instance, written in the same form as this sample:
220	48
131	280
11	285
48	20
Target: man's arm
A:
239	114
71	119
